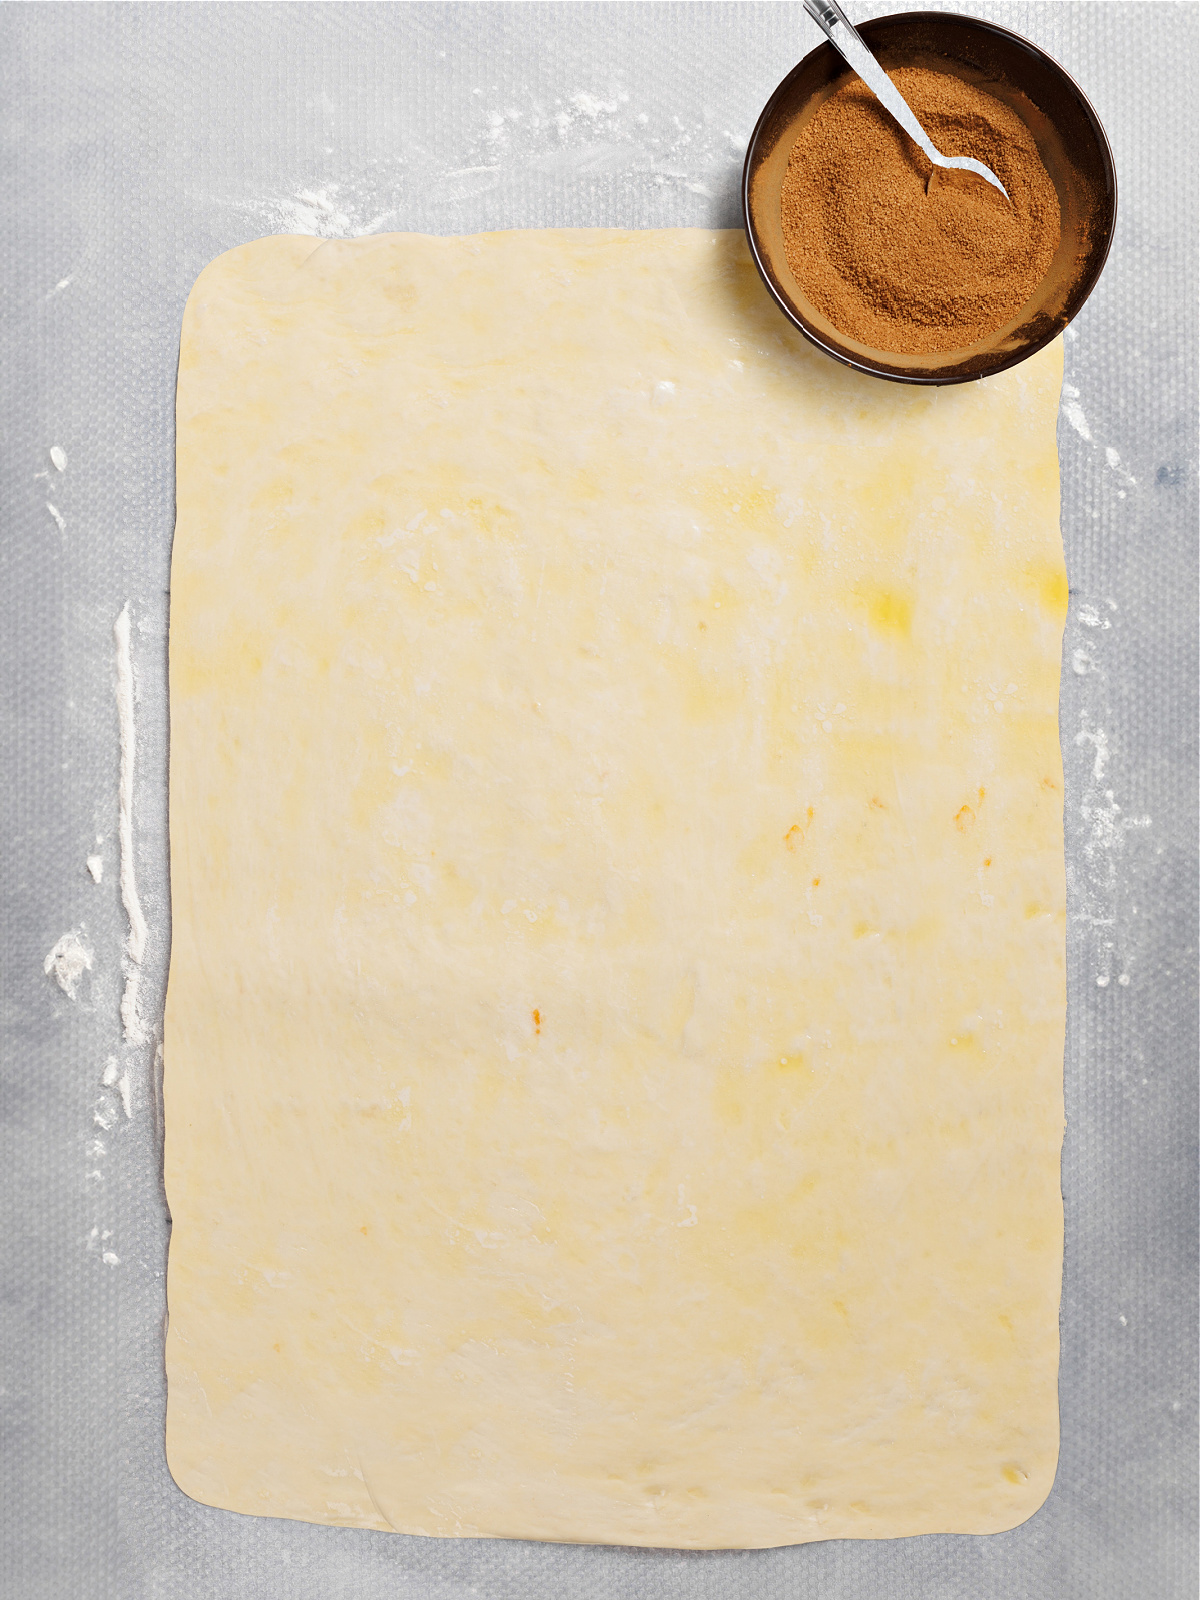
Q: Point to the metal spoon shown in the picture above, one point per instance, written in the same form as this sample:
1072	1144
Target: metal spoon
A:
845	39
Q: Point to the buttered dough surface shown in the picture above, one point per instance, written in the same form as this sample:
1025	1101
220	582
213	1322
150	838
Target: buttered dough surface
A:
614	1032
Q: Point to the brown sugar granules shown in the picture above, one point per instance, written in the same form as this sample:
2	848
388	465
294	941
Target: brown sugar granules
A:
903	263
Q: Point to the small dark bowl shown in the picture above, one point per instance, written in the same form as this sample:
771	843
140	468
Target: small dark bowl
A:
1069	137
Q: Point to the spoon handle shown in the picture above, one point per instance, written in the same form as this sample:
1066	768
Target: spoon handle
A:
845	39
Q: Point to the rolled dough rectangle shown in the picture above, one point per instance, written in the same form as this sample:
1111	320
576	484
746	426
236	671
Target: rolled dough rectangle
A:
615	1021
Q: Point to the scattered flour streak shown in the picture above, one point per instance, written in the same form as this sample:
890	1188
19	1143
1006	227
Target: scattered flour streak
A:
67	962
1098	739
322	214
1096	879
131	1021
115	1078
135	944
1114	461
1073	412
156	1077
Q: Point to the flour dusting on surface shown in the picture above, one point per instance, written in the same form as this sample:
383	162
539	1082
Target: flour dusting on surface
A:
116	1102
135	944
97	1245
131	1020
1073	412
68	961
326	213
114	1078
1114	461
1098	739
1101	829
595	130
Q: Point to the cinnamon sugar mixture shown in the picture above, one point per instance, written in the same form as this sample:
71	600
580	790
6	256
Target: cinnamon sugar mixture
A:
903	257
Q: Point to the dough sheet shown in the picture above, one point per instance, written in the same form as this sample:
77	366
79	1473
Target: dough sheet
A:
613	1049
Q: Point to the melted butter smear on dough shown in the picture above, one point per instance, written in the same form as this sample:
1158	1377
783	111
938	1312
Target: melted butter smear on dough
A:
614	1037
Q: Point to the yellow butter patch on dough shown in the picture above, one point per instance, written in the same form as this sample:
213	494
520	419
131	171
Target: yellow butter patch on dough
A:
614	1032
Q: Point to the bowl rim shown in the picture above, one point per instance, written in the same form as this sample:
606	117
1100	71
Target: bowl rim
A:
859	363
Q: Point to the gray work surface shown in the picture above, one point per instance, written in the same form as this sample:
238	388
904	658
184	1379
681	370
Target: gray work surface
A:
138	143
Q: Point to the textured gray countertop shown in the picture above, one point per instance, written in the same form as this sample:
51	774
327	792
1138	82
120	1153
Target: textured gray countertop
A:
139	141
